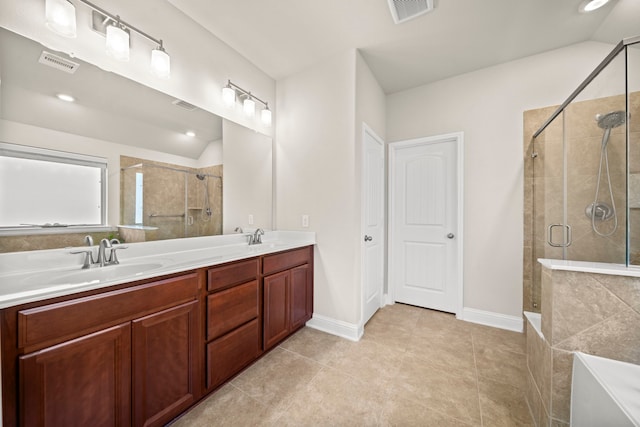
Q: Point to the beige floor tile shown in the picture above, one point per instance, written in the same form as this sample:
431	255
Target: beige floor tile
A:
424	382
334	399
502	366
413	367
276	378
406	413
446	351
368	361
388	334
227	407
432	321
500	339
503	405
314	344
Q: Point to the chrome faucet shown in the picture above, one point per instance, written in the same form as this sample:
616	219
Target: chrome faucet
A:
256	237
102	258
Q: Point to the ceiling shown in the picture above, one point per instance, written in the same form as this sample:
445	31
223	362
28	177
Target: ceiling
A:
108	107
282	37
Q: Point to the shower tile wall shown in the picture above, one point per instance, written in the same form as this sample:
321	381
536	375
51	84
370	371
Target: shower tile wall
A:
543	195
592	313
164	195
48	241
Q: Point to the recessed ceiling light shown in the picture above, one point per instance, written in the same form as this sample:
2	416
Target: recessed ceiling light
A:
65	97
590	5
190	133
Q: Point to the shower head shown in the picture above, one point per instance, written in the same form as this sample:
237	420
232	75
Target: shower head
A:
611	120
201	177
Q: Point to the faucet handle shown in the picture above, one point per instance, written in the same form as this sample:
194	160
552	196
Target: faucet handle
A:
88	258
88	240
113	256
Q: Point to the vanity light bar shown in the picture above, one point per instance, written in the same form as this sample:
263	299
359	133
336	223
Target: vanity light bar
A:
229	98
61	12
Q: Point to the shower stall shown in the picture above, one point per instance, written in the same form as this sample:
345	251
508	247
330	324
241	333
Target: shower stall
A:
582	172
167	202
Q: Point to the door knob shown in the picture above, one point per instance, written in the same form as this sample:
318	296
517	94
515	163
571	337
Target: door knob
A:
450	236
368	238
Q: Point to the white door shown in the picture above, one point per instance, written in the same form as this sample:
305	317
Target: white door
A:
424	222
373	223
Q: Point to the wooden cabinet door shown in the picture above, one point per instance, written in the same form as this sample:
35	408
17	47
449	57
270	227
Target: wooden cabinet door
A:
276	308
300	296
82	382
166	377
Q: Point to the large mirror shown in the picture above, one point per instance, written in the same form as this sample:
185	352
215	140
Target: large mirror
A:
174	170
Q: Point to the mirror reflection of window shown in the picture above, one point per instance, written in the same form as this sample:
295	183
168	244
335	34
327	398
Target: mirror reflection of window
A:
45	188
138	197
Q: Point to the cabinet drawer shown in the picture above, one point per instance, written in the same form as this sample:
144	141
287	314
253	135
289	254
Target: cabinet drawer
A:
232	352
286	260
69	319
232	274
228	309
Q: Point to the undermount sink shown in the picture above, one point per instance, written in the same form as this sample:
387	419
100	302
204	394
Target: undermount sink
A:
92	275
604	392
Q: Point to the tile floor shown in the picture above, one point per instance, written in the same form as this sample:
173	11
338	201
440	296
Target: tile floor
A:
413	367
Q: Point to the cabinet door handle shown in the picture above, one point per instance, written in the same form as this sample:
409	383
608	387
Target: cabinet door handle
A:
368	238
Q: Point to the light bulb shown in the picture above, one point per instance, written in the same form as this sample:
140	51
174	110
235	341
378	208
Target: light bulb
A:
160	63
249	107
228	96
117	43
61	17
591	5
266	116
65	97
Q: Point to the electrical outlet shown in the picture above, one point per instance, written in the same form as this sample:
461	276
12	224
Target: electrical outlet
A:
250	219
305	221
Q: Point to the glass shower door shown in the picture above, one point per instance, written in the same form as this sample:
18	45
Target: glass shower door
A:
549	233
596	150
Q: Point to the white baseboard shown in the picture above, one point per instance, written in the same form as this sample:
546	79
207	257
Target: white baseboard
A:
340	328
489	318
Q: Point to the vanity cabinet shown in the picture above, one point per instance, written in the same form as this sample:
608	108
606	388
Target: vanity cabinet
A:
288	293
233	319
142	353
126	357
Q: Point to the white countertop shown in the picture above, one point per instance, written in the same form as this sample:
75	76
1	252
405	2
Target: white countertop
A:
38	275
590	267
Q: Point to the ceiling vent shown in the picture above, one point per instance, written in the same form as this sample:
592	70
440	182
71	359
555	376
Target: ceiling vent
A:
183	104
58	62
404	10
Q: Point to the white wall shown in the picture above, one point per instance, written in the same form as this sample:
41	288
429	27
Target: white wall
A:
488	106
318	152
315	176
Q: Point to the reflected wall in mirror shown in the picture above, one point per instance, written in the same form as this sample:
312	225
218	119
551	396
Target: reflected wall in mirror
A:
113	117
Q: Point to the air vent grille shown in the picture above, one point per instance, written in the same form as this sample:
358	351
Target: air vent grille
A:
58	62
403	10
184	104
